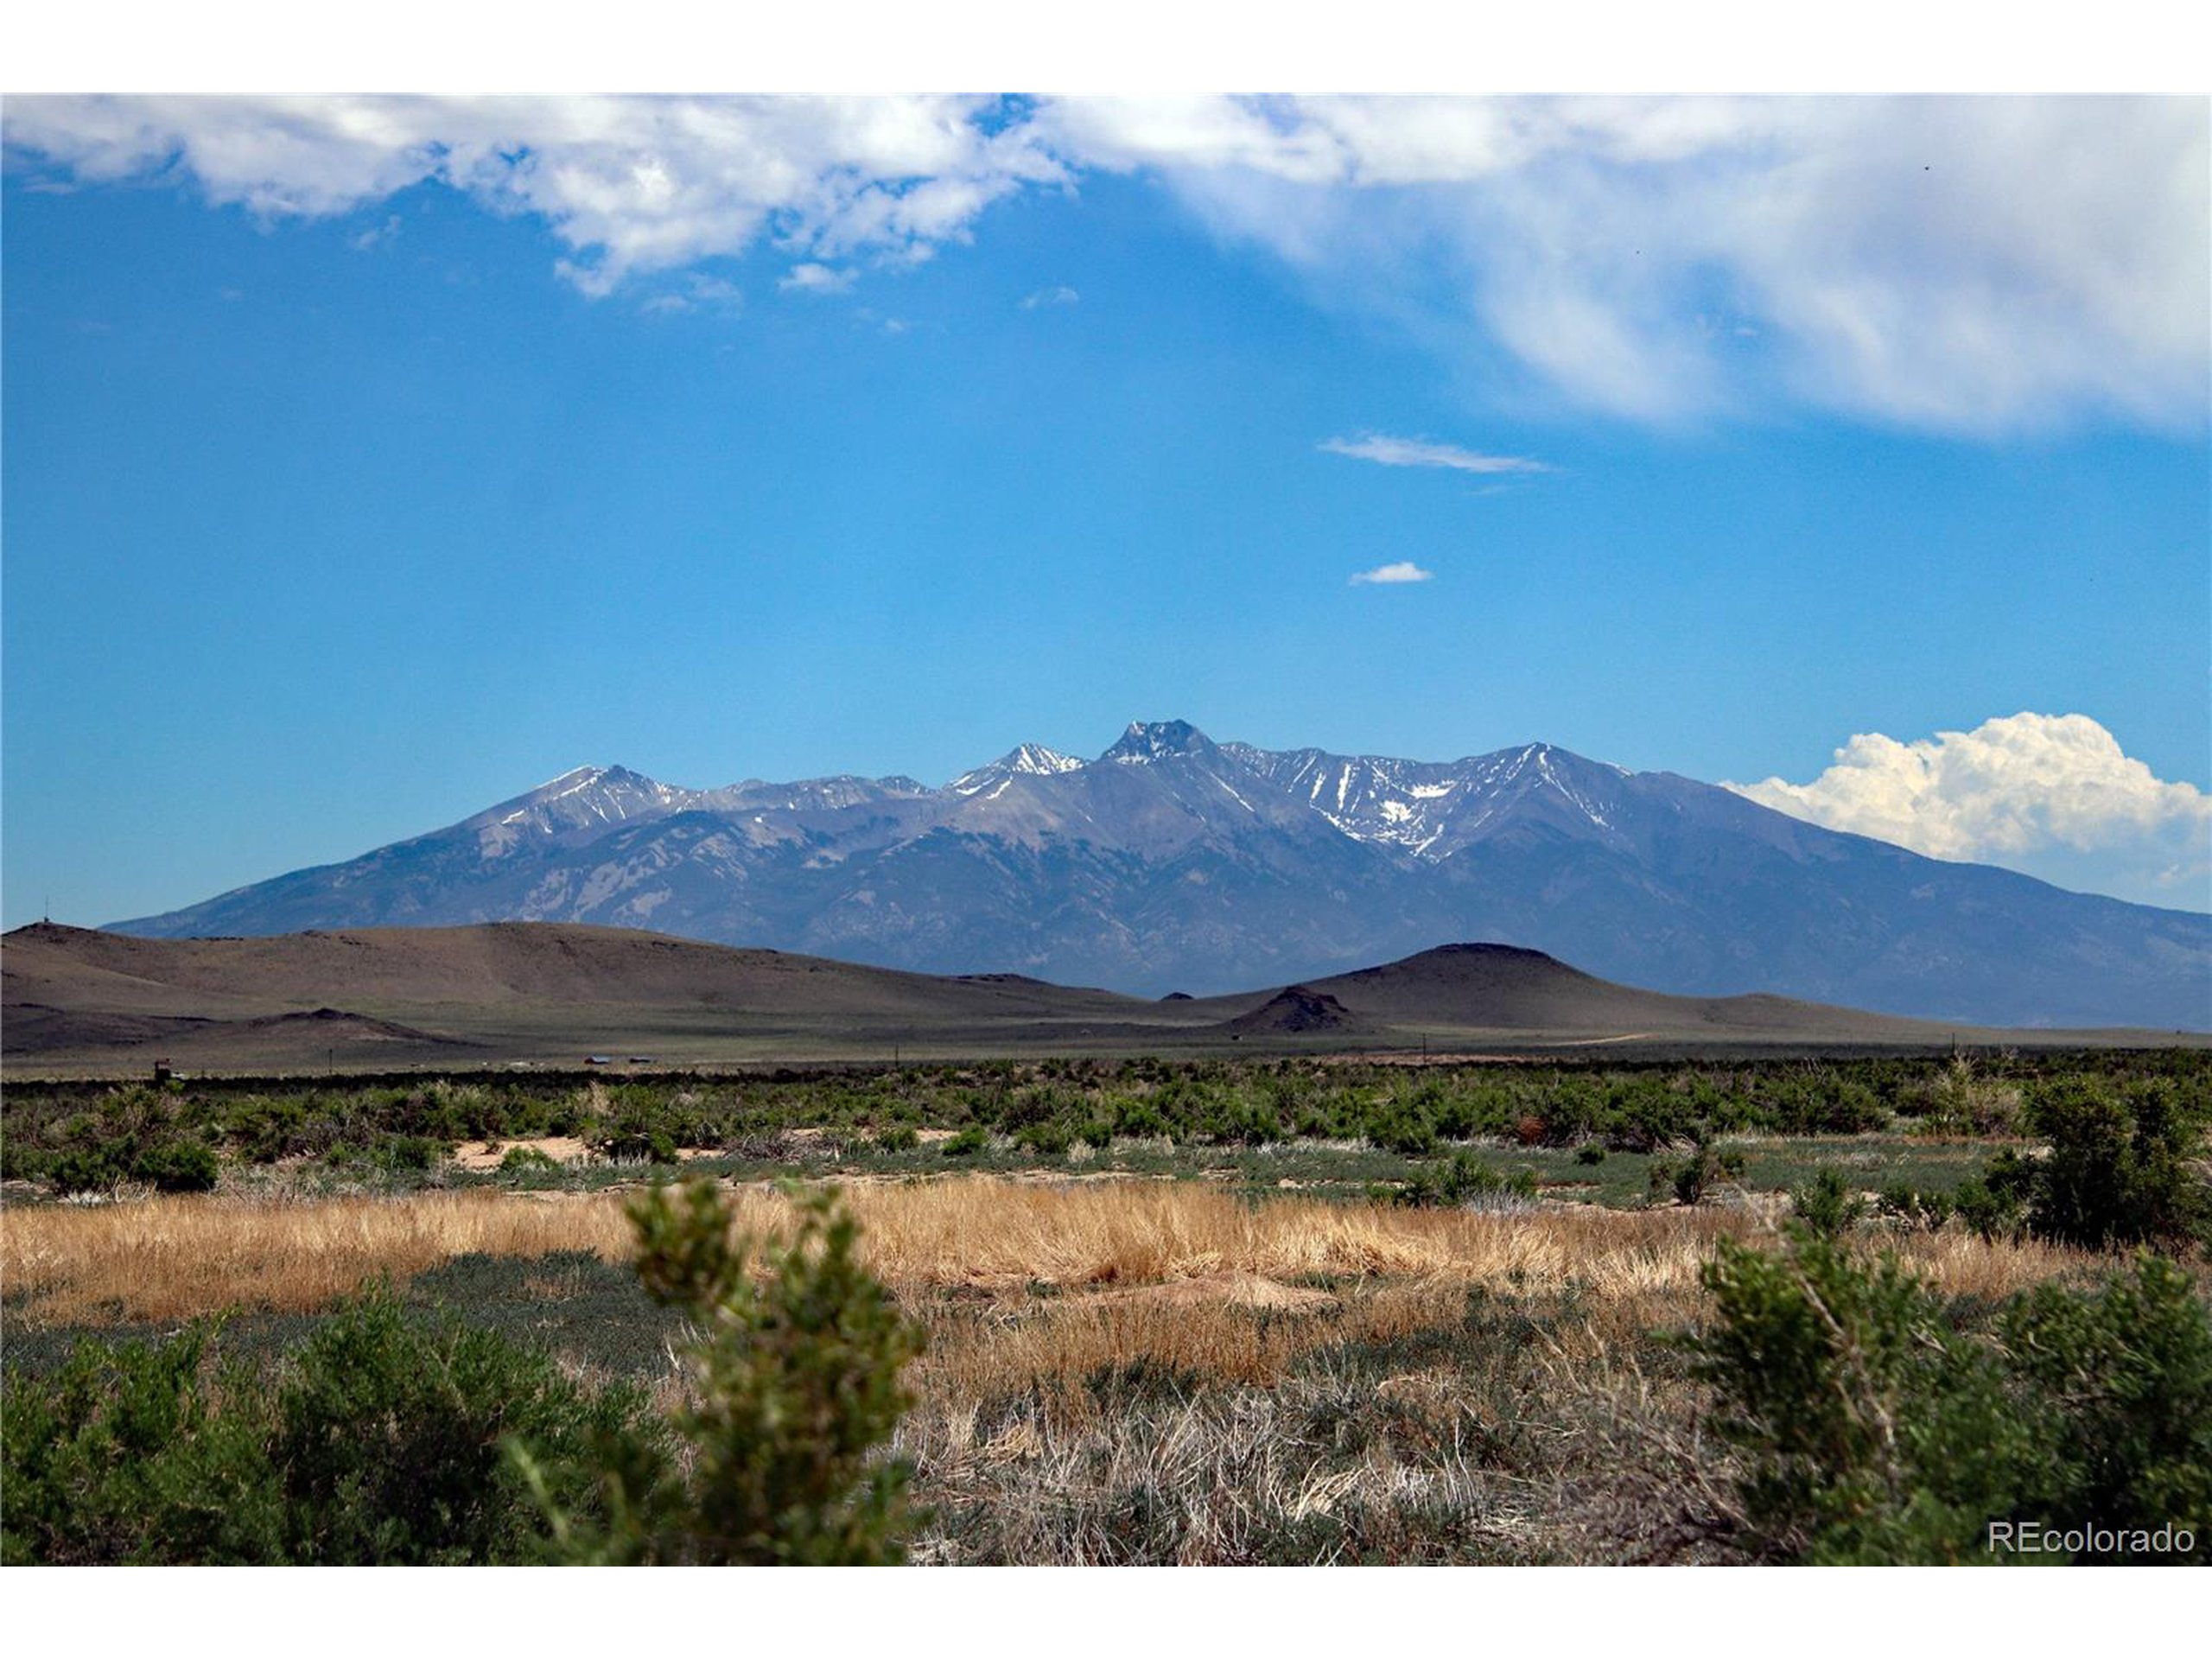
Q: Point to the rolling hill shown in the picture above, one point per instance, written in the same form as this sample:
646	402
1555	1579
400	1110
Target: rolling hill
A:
77	1000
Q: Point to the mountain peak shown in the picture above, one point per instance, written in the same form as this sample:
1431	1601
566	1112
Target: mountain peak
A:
1154	740
1024	761
1037	759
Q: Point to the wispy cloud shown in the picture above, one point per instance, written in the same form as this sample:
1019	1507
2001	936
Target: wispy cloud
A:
375	233
1385	575
1965	265
1416	452
1970	266
2053	794
698	293
813	278
1044	297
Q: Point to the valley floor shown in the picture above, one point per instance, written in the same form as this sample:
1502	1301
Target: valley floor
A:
1281	1311
1120	1370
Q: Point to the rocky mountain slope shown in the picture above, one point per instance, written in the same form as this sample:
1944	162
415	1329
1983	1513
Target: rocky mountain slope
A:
1173	862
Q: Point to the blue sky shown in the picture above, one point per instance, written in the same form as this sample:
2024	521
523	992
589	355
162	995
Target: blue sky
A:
353	485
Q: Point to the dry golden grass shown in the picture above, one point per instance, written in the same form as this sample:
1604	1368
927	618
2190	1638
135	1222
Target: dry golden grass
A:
1524	1426
173	1258
176	1258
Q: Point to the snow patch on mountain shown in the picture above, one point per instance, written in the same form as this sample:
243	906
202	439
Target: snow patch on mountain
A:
1029	760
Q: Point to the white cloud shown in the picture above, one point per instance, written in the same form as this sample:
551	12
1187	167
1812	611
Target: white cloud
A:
1962	265
1061	296
1416	452
1387	574
813	278
627	185
374	234
1958	265
2052	794
698	293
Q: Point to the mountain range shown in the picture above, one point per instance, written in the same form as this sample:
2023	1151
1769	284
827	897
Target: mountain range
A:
1173	862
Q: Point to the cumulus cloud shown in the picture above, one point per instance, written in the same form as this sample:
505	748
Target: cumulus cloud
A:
1415	451
627	185
2052	794
813	278
1959	264
1061	296
1386	574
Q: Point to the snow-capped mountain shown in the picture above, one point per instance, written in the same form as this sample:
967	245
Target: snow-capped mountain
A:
1432	808
1030	760
1174	862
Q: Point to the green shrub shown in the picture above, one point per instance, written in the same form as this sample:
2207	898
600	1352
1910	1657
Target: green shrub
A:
527	1160
899	1137
87	1169
2125	1377
390	1435
1827	1205
391	1154
20	1162
1692	1178
1870	1429
1915	1207
1643	1114
1590	1156
1825	1103
1961	1103
139	1452
1137	1117
177	1166
379	1439
1992	1203
635	1138
795	1387
1466	1181
1049	1139
1402	1127
2121	1169
966	1144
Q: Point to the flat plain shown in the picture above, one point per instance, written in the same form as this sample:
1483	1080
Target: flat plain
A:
1301	1308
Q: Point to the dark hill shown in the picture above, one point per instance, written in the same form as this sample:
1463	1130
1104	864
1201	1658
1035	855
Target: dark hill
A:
1502	987
84	1001
1296	1011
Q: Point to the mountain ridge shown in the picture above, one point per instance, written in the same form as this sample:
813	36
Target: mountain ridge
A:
1171	862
